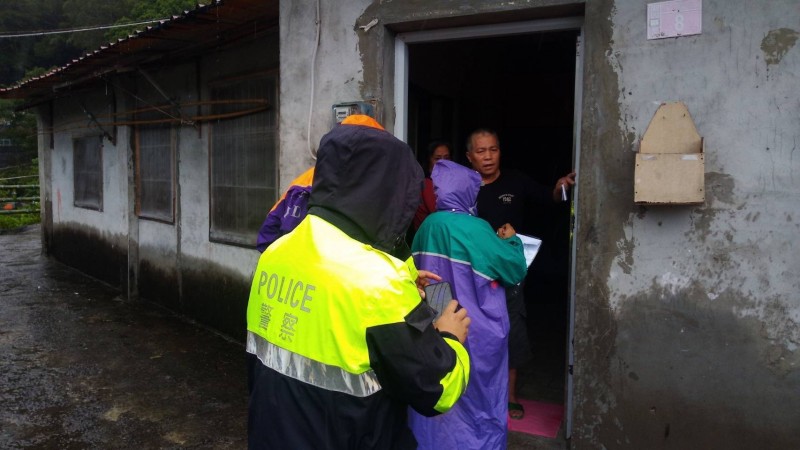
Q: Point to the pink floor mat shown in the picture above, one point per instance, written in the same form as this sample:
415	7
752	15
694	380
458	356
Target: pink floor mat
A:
541	419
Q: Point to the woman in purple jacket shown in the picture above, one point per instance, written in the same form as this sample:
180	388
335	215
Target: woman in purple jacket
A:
476	260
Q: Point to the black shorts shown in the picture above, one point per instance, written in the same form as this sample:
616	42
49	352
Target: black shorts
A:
519	348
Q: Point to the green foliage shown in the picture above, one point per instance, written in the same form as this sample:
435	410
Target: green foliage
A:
19	54
149	10
18	126
87	13
161	8
35	72
14	221
31	172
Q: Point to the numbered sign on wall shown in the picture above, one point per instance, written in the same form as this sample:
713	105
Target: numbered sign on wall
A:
674	18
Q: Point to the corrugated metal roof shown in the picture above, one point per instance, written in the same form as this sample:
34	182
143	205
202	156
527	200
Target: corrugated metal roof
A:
193	32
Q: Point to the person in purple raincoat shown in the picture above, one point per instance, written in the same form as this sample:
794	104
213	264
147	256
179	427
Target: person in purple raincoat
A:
287	212
477	261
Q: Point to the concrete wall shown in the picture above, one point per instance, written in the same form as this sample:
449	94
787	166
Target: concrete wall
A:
93	241
157	246
335	67
687	316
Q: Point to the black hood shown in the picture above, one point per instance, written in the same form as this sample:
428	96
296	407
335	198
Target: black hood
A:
369	178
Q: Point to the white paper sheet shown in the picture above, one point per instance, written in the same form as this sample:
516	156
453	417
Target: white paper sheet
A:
531	246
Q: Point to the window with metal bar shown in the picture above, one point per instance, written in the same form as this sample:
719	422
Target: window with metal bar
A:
155	172
87	160
243	172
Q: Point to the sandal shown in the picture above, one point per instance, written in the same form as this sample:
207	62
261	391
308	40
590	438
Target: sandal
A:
515	411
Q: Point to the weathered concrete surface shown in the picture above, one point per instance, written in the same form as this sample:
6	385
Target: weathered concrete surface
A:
81	369
687	317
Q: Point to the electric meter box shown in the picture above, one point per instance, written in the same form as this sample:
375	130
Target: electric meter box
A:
670	165
342	110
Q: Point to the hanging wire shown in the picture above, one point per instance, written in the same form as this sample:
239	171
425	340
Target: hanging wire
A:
137	98
77	124
18	34
318	23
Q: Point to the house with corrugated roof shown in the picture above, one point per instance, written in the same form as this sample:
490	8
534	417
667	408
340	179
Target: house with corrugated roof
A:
662	307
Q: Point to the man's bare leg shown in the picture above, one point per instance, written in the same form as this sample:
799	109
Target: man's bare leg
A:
515	410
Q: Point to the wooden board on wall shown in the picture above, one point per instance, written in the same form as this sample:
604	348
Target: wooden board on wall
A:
669	178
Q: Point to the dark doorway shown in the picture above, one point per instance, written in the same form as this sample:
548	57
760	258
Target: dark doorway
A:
522	86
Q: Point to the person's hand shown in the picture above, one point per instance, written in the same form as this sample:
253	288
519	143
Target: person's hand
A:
454	322
423	279
567	181
506	231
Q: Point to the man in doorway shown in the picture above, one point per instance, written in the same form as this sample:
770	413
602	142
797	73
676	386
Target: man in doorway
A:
503	199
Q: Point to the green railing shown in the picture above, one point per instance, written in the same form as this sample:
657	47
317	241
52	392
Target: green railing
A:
17	197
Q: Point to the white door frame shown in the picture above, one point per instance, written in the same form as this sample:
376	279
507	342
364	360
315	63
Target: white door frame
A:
506	29
451	34
576	147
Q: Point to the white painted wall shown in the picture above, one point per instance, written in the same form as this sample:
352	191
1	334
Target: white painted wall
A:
71	122
337	72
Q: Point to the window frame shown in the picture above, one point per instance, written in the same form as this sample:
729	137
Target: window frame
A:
244	239
84	203
138	174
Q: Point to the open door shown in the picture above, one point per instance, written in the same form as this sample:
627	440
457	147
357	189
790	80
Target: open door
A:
524	81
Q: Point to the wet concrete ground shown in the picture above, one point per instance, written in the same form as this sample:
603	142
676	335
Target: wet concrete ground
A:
81	368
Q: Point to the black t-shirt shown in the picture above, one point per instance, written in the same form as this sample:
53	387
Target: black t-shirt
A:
506	199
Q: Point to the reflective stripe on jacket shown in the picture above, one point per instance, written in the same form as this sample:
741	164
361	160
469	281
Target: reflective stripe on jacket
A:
378	338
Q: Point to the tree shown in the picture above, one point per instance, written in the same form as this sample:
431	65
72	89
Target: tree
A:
18	54
149	10
87	13
18	126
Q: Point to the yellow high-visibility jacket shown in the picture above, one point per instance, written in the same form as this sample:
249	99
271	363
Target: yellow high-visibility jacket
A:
344	340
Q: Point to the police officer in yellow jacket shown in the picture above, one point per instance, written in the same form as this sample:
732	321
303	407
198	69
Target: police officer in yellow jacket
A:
344	341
